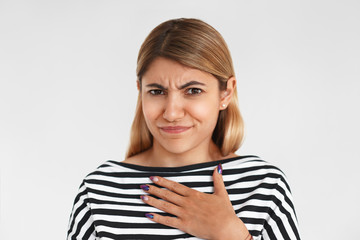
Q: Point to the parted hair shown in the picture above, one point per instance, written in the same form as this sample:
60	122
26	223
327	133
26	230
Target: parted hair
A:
198	45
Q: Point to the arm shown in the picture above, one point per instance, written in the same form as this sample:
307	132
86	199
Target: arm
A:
81	225
281	222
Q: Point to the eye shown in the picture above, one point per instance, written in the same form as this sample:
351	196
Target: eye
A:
156	92
193	91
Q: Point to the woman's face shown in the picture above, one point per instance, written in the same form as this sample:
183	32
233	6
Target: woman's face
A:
180	105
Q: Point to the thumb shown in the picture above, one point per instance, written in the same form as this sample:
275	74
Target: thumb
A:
219	186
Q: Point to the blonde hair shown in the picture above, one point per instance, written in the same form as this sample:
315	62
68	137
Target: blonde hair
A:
195	44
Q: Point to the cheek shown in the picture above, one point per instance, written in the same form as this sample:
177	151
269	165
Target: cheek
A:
205	111
151	110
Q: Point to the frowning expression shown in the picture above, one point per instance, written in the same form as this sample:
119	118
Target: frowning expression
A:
180	105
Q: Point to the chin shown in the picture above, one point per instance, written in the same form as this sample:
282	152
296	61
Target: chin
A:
177	147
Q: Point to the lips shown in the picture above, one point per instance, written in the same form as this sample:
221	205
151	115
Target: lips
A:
175	129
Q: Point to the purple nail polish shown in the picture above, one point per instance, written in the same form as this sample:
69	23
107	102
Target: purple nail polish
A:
149	215
219	168
144	187
154	179
144	197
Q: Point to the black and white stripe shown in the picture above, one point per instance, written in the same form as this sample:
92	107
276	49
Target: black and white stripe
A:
108	205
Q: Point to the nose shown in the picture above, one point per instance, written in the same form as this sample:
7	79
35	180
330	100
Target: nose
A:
174	109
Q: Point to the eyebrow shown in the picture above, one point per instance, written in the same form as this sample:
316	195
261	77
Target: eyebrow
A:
156	85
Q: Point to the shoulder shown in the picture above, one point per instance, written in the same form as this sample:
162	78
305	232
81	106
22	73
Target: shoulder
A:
264	191
108	170
251	168
256	177
251	163
112	178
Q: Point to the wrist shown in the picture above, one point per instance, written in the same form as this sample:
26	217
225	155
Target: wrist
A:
234	230
249	237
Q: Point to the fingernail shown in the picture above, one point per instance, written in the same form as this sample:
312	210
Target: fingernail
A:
219	168
149	215
144	197
144	187
154	179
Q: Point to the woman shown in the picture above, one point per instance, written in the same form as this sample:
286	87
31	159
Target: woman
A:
181	178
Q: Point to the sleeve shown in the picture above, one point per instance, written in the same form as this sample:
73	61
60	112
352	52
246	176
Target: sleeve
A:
81	225
281	222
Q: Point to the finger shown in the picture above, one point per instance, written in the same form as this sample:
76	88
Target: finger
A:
168	221
219	186
162	205
163	194
171	185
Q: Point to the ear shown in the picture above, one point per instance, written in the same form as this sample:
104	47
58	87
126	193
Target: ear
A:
226	95
138	85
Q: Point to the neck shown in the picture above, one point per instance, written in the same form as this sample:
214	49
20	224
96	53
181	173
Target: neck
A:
159	157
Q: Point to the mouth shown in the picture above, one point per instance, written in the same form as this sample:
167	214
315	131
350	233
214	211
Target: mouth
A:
175	129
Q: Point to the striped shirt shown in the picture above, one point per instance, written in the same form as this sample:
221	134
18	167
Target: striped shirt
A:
108	205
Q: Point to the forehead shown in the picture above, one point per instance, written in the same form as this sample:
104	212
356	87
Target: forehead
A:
167	71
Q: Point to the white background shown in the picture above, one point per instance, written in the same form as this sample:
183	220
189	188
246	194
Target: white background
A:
68	94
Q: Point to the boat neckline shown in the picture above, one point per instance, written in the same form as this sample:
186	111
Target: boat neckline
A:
180	168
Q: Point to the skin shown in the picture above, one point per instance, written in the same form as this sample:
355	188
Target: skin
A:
181	107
